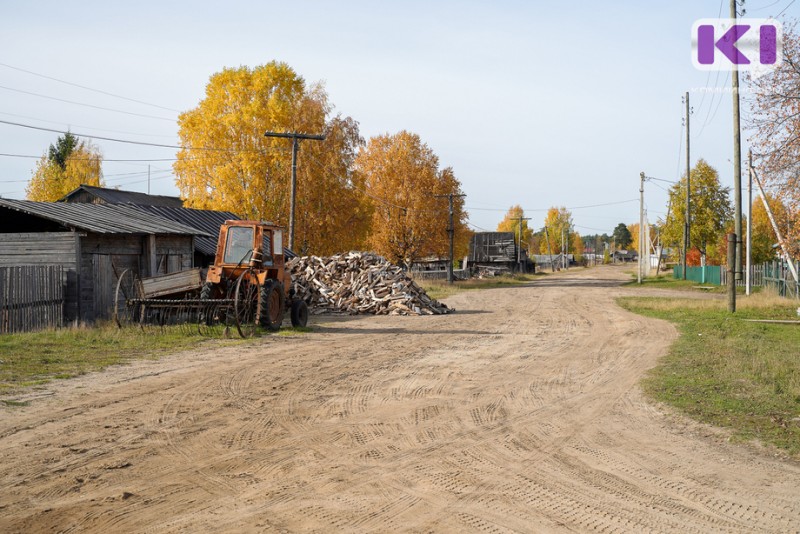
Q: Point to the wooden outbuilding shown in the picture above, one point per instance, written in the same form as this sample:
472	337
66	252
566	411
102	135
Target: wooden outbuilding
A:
94	243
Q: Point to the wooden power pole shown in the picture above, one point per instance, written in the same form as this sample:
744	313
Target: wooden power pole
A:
295	137
519	244
451	232
737	157
687	225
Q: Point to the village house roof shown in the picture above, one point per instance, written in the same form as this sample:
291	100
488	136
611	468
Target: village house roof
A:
115	196
208	221
97	218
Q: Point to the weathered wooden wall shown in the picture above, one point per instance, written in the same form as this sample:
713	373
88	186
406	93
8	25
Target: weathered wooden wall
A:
46	248
31	298
105	257
92	263
174	253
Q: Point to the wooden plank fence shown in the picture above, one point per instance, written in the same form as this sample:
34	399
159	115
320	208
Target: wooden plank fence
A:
31	298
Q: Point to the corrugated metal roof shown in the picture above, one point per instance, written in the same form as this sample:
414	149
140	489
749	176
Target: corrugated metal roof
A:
208	221
101	218
115	196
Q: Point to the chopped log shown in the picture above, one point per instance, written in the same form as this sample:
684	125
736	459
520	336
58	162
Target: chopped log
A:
359	282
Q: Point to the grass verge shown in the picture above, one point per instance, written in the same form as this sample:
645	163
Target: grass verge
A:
36	358
729	372
667	281
32	359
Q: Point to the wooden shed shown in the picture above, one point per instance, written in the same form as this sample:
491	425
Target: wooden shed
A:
496	250
94	243
207	221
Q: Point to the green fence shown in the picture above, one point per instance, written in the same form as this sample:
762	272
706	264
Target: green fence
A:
709	274
772	274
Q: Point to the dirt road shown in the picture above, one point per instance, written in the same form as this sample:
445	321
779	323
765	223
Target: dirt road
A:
520	413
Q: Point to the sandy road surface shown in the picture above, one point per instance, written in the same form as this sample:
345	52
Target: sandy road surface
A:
518	414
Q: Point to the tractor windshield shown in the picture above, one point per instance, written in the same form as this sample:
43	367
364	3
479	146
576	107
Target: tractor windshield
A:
239	245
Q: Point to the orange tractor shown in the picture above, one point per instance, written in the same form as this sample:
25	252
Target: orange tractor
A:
248	286
250	267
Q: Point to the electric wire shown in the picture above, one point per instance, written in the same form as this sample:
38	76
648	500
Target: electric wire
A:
39	95
69	125
143	143
100	91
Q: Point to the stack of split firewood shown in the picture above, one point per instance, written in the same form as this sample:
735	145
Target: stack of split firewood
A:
359	282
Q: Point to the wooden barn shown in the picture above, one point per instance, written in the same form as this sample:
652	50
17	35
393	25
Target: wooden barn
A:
496	251
94	243
207	221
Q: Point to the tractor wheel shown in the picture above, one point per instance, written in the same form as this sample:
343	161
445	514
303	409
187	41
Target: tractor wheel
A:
271	303
207	291
299	313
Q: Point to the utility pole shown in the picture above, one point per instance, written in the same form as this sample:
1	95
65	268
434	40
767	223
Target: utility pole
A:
687	226
775	227
295	137
148	179
749	247
737	156
519	234
549	249
451	232
641	225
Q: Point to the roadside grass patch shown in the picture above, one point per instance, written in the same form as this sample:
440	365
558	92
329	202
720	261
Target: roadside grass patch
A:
728	372
667	281
33	359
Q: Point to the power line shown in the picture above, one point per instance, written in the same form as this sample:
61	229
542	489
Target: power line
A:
785	8
86	105
143	143
84	159
69	125
88	88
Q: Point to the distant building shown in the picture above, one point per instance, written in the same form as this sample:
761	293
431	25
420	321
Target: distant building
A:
89	194
497	251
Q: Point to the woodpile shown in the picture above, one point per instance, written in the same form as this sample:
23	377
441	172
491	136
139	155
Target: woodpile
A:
359	282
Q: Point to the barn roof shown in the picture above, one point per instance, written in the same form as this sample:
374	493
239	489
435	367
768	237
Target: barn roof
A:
115	196
101	218
208	221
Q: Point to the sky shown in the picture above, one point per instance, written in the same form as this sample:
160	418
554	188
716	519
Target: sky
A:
533	103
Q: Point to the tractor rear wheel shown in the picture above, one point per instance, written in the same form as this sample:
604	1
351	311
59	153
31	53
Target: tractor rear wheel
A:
271	303
299	313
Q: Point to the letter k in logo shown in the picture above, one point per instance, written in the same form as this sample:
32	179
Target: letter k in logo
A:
726	44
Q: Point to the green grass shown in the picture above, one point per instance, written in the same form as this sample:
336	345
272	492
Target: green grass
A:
728	372
439	289
33	359
666	281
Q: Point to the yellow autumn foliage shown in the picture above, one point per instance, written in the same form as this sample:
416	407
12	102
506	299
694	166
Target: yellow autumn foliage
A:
50	181
405	186
228	164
